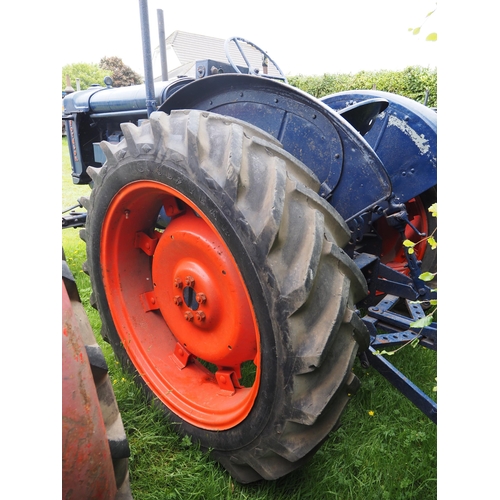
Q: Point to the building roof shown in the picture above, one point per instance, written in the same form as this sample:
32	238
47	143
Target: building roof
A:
184	49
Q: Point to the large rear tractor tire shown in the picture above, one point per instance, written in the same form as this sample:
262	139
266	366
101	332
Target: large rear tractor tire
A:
221	281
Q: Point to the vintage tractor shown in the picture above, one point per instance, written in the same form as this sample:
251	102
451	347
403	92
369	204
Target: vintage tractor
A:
245	244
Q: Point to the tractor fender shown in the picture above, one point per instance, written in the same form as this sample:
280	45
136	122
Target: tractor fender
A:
404	136
351	175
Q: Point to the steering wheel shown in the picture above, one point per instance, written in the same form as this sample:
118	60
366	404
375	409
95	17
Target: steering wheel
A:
251	70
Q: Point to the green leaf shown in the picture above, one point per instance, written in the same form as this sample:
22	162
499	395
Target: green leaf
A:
433	209
409	244
433	302
422	322
427	276
432	242
416	31
431	37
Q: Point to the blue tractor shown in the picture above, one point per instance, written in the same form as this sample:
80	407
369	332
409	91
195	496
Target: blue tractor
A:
245	244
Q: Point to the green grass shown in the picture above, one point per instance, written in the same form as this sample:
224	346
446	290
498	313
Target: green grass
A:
391	454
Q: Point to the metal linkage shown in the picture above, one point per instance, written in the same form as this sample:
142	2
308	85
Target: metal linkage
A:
423	402
388	319
74	219
389	328
397	325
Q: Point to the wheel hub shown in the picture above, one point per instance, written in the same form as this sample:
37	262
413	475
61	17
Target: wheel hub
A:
200	295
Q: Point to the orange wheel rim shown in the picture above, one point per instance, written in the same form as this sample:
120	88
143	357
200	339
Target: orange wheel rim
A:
180	306
393	254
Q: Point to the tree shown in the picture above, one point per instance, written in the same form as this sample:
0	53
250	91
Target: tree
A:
88	74
121	74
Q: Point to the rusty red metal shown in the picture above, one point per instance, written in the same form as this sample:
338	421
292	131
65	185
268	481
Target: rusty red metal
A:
87	467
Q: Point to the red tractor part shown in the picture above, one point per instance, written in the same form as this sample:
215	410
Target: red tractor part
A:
393	254
94	446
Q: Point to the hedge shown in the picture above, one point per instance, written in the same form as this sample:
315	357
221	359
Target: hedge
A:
412	82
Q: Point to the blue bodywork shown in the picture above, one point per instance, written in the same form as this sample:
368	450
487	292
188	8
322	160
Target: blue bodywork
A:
396	158
404	136
95	114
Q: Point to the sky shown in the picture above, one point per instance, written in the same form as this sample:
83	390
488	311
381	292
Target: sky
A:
336	37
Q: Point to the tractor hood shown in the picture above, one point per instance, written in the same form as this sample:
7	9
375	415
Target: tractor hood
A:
98	100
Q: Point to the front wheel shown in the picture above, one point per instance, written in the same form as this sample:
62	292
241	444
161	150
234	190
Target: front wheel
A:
220	280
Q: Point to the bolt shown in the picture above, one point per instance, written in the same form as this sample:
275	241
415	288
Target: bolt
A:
189	281
177	300
201	298
200	316
188	315
177	283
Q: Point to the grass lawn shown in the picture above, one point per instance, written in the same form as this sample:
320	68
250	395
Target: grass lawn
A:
385	448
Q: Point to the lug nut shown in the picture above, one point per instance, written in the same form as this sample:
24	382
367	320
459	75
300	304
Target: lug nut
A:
189	281
201	298
177	283
177	300
200	316
188	315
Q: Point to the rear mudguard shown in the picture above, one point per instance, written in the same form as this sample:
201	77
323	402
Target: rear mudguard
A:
352	177
404	136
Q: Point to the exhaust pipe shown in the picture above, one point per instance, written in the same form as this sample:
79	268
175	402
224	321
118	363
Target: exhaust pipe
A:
163	50
148	61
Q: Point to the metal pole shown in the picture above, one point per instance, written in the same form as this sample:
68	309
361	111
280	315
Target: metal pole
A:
148	63
163	52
